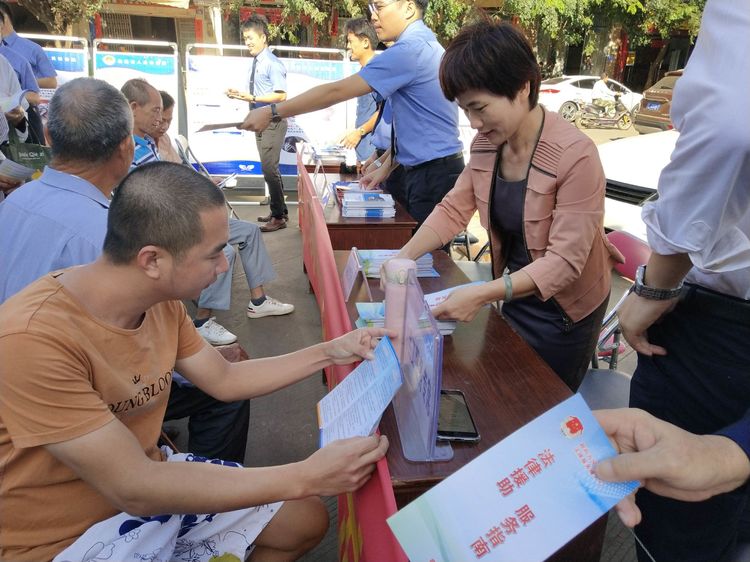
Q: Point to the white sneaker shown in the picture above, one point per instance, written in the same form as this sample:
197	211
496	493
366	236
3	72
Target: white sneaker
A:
269	307
216	334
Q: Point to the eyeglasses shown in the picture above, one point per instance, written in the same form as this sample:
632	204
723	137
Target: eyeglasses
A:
375	8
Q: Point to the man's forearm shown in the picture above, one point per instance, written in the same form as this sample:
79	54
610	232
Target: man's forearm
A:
272	97
258	377
666	271
49	82
213	488
323	96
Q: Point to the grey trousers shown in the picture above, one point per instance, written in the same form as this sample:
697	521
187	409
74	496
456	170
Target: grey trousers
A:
269	143
255	261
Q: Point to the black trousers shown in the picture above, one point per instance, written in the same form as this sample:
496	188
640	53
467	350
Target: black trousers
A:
395	182
269	143
427	184
217	430
701	385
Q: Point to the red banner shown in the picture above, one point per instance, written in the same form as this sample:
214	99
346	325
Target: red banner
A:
364	535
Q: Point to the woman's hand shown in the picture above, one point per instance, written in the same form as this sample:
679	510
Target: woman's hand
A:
463	304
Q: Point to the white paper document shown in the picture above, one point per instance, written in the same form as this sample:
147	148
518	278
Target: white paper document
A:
354	407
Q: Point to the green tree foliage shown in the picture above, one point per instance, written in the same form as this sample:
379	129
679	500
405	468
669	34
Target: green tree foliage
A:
59	15
445	17
553	24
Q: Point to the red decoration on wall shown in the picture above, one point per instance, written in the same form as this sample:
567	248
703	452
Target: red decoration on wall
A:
98	33
198	30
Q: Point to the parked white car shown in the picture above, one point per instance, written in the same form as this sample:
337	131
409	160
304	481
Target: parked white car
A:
632	166
560	94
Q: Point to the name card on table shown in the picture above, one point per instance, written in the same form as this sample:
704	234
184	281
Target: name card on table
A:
521	500
352	268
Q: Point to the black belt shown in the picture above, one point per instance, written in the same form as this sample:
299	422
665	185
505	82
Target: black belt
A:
442	160
713	303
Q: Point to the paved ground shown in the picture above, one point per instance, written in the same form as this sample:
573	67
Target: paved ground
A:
283	426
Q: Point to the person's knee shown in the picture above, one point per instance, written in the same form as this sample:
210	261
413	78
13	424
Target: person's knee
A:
297	528
312	523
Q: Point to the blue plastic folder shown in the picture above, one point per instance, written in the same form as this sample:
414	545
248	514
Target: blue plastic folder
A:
521	500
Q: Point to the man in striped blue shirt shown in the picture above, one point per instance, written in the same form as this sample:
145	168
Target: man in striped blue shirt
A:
145	102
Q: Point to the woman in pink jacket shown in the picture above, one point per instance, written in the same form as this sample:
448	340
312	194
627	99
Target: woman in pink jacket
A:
539	188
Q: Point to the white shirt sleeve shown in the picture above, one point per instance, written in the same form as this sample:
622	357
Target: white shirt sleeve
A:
601	91
704	192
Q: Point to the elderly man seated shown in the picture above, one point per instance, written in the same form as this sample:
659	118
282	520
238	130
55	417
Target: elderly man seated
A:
146	104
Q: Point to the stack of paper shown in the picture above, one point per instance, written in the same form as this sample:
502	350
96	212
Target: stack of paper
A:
344	187
372	314
368	204
372	260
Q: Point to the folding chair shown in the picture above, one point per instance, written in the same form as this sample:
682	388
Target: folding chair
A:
464	240
186	155
610	388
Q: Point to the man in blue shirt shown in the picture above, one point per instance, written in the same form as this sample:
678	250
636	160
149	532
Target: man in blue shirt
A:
361	41
44	72
266	87
145	102
60	220
425	124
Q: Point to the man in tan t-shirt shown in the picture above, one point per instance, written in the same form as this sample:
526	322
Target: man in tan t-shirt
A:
87	363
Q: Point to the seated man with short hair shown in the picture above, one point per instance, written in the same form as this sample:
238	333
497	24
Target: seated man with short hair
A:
60	220
95	345
143	98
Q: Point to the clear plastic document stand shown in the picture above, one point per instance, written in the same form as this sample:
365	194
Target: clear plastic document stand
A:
420	350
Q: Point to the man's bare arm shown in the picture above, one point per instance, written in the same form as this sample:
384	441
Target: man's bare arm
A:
48	82
112	461
226	381
313	99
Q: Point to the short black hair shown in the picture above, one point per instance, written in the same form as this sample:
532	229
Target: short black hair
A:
422	5
158	204
167	100
363	29
6	12
257	23
496	57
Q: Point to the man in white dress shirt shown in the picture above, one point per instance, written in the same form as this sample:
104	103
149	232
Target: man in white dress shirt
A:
693	352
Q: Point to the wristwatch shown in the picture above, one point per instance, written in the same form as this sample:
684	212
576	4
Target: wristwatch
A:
362	131
275	117
652	293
